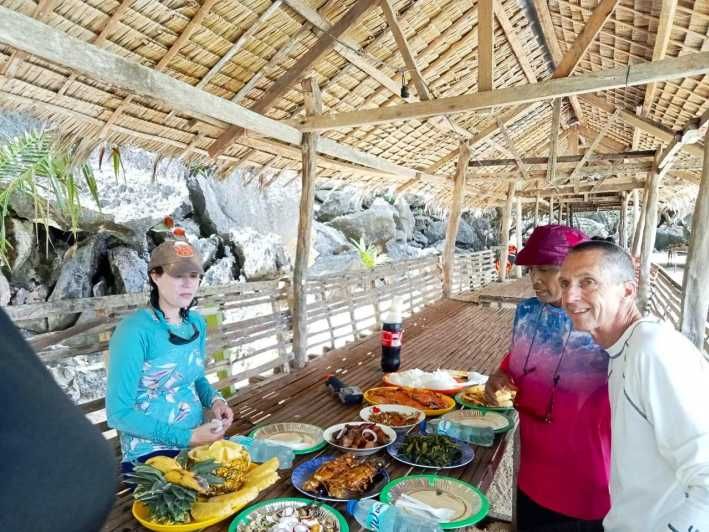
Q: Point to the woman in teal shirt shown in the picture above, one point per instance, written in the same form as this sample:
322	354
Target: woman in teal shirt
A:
157	390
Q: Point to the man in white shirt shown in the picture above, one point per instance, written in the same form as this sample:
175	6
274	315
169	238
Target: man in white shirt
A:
659	395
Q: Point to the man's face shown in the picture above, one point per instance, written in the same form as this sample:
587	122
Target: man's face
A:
545	282
591	298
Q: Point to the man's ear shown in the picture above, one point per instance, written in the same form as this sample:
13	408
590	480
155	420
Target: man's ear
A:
630	289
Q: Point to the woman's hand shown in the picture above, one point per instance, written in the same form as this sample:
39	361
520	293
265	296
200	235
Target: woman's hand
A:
497	381
223	413
207	433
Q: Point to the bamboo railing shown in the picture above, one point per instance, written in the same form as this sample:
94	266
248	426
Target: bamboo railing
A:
249	324
666	299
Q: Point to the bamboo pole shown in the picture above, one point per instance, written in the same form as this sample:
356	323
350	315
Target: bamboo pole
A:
313	106
505	231
536	211
640	225
517	271
454	219
623	222
695	287
648	241
636	211
551	209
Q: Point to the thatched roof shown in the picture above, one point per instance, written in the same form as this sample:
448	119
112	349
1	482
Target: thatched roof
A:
238	49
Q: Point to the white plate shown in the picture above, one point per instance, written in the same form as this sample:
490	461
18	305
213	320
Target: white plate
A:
399	409
476	418
330	433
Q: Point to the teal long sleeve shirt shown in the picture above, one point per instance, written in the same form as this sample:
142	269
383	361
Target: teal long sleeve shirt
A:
157	390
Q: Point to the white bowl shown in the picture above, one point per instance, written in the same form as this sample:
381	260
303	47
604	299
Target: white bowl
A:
365	413
330	432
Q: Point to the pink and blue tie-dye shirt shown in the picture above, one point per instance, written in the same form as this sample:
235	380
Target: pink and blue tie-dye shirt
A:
156	391
564	412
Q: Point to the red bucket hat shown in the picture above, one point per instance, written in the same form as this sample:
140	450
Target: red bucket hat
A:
548	245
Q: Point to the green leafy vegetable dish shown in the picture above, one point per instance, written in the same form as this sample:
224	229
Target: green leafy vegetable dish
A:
431	450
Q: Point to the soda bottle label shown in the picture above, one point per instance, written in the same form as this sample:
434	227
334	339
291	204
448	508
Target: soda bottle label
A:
375	512
391	339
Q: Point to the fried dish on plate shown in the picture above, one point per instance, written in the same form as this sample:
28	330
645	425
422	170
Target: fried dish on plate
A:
422	399
345	477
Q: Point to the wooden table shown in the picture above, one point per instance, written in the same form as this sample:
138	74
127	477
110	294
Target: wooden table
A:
447	334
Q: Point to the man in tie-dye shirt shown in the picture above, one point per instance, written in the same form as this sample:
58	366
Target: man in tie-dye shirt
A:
561	380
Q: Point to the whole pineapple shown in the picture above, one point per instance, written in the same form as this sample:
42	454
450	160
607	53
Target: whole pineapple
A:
168	503
233	461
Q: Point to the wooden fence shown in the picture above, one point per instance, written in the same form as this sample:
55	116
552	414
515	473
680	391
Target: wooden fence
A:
666	299
249	324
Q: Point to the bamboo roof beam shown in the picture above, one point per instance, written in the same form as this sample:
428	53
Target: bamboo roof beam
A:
656	130
55	46
565	159
554	140
596	141
405	50
664	30
511	146
285	82
684	66
102	37
486	45
41	12
183	38
514	42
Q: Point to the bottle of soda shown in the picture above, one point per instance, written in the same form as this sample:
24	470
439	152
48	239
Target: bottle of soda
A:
391	337
382	517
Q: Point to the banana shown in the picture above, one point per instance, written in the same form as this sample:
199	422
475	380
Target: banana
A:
262	482
188	480
237	499
269	466
163	463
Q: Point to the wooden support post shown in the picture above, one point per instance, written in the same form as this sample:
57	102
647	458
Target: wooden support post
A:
636	212
551	209
648	242
623	221
313	106
505	232
536	211
517	271
454	219
640	225
695	288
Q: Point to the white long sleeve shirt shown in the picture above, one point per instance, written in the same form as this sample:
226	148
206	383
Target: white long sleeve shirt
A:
659	395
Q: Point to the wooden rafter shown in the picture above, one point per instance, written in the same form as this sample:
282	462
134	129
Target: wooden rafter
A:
656	130
183	39
288	79
574	177
513	39
664	30
41	12
55	46
405	50
240	42
102	37
585	38
554	140
684	66
511	146
486	45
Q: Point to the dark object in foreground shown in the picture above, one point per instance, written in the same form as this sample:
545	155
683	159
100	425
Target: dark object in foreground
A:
51	452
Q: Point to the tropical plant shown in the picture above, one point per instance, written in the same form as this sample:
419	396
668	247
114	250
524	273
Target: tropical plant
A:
46	170
368	253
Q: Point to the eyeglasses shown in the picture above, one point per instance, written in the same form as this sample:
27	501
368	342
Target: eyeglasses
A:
532	406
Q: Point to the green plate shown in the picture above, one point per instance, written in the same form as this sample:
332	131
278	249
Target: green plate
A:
468	404
302	438
470	504
271	505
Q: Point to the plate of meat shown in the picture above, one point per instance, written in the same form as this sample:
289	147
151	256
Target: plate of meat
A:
429	402
340	478
360	438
